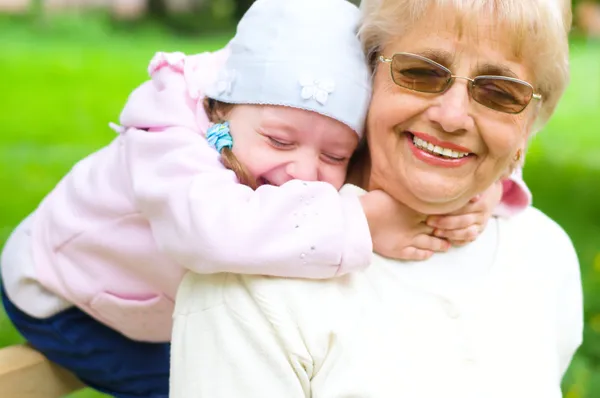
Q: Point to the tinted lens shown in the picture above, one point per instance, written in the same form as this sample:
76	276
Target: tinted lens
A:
501	94
418	74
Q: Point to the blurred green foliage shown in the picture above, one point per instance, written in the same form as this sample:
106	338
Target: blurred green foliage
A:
64	79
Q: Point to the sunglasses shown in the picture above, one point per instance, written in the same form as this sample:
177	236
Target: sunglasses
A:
500	93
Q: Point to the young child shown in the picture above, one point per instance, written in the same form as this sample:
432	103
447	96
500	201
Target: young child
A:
90	277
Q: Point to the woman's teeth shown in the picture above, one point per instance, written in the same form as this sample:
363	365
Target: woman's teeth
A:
437	150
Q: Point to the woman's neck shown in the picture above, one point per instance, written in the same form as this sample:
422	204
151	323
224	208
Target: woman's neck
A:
359	174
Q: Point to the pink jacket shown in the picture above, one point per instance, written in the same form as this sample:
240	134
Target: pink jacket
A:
116	234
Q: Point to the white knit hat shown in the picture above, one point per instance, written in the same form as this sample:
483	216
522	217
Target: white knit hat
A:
299	53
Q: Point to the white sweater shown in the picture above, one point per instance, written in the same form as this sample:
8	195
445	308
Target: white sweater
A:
498	318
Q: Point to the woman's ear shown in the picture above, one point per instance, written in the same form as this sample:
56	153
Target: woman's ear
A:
517	162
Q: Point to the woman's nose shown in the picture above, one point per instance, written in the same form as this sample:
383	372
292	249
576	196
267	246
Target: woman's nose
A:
304	167
451	109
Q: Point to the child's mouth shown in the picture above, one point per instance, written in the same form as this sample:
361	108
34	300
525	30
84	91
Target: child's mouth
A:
264	181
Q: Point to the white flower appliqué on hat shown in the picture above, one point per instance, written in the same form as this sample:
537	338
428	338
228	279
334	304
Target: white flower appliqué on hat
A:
316	89
226	81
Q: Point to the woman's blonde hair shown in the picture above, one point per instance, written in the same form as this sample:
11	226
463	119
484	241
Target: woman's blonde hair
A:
537	29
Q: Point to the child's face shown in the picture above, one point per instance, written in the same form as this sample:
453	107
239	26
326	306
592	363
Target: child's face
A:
278	144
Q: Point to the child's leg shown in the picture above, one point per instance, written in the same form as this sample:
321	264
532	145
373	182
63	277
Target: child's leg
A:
101	357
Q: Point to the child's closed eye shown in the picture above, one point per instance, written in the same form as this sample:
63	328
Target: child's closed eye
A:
334	159
281	144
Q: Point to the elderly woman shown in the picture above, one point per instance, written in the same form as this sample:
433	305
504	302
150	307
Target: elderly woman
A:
500	317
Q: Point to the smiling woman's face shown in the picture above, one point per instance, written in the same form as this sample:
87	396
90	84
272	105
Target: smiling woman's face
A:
400	118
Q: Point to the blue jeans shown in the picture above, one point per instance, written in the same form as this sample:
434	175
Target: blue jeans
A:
99	356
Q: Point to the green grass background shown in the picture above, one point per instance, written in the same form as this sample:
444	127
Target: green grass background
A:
62	82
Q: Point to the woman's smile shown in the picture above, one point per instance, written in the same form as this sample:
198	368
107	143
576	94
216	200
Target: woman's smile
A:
437	153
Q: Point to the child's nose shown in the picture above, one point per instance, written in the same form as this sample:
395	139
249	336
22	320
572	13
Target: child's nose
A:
304	168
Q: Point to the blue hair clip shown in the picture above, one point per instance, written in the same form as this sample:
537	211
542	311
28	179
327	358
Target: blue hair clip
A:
218	136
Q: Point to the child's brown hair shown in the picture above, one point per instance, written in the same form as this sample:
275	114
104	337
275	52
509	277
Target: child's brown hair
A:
216	111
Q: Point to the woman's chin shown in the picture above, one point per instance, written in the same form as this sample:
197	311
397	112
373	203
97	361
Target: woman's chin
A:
436	195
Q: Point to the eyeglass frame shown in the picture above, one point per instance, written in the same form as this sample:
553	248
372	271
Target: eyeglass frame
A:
453	78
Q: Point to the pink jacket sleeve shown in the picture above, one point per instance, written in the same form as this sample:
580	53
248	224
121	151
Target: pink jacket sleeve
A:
516	196
202	217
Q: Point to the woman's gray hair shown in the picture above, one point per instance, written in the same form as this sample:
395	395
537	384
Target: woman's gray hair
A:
537	29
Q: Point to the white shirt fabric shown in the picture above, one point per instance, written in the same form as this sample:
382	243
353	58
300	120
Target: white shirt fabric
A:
501	317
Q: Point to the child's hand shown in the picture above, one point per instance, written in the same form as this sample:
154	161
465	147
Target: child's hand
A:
397	231
465	225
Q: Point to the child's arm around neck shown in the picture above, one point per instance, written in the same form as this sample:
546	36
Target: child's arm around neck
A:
207	222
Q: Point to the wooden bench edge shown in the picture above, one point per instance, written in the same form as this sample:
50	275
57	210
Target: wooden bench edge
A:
25	373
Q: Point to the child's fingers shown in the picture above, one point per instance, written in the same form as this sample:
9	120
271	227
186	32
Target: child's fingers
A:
460	242
455	222
423	247
413	254
431	243
475	199
477	206
467	234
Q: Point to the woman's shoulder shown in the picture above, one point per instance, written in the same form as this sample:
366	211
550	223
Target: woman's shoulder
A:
533	223
301	310
298	314
534	236
200	292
